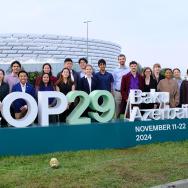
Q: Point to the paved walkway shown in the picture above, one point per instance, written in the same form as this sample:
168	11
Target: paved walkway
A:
176	184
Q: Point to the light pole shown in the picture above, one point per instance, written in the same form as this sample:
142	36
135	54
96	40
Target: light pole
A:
87	22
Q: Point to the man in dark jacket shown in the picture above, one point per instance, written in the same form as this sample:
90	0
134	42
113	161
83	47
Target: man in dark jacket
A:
132	80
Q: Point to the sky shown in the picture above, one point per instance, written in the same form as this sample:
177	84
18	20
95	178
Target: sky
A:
149	31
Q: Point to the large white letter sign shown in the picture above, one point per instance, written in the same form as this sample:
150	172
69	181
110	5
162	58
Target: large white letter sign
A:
31	112
45	110
135	96
135	114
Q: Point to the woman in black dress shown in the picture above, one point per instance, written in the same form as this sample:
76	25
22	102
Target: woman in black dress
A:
4	91
65	85
149	83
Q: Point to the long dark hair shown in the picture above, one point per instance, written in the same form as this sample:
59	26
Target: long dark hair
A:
1	70
61	80
145	71
48	64
42	83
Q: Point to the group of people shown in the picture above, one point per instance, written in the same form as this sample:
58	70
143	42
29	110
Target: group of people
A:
127	78
119	83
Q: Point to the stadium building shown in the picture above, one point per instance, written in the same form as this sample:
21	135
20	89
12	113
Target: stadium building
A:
32	49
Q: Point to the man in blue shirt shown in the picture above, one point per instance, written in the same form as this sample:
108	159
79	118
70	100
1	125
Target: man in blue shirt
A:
118	73
105	79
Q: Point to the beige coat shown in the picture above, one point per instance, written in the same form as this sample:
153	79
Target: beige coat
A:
171	86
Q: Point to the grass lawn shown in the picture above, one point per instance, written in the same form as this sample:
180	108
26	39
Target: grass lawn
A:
142	166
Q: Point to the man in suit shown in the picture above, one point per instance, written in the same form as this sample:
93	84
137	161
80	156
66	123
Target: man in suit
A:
82	63
19	105
68	63
132	80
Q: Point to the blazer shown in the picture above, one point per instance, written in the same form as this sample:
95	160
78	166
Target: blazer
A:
125	85
171	86
18	103
152	85
184	92
4	90
161	77
84	85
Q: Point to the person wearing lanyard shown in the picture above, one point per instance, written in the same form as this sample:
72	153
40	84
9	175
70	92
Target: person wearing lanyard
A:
118	73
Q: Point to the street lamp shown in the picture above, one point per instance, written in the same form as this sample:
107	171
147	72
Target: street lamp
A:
87	22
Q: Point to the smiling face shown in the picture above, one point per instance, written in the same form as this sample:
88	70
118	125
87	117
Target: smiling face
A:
89	70
23	78
176	74
121	60
133	68
68	64
45	78
65	73
16	68
82	64
47	69
168	74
